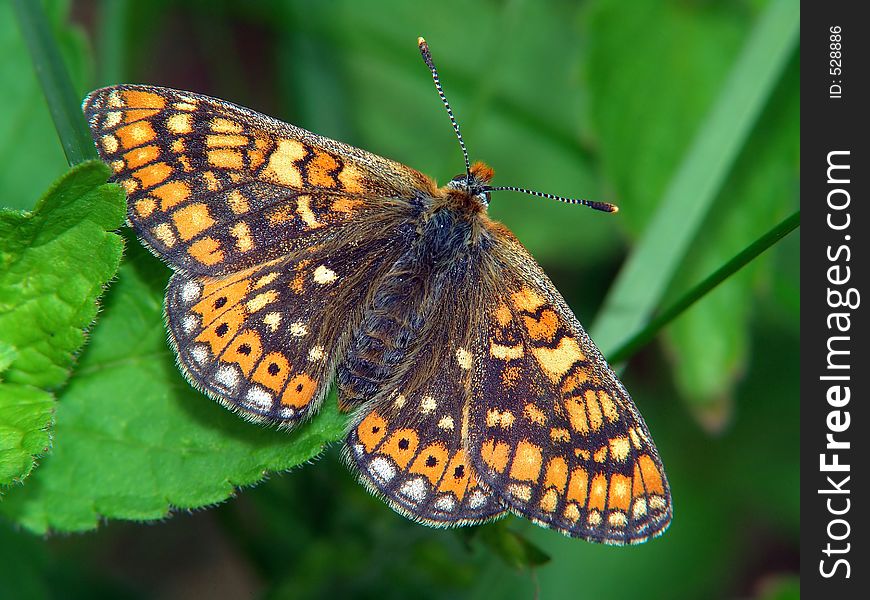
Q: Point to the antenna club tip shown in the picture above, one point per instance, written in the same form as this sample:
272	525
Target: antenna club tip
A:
421	42
613	208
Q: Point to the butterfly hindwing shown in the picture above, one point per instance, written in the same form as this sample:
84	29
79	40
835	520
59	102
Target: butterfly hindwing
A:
265	340
214	188
552	430
407	373
409	450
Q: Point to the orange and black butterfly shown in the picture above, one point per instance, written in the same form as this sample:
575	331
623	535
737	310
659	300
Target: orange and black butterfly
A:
300	261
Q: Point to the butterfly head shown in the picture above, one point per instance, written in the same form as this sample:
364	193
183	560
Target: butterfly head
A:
474	183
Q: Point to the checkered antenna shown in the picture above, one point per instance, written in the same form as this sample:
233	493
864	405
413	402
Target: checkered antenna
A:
602	206
427	57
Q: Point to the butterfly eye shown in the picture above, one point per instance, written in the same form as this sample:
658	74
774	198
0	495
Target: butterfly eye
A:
460	182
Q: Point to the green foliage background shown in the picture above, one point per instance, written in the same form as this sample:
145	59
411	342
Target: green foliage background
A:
603	99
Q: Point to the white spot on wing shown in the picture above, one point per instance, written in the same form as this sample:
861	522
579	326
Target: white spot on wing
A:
414	489
383	468
199	354
259	397
446	422
445	502
298	329
189	323
316	354
190	291
428	404
272	320
285	412
476	499
463	357
228	375
324	275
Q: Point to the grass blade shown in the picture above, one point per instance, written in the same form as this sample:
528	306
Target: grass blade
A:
697	181
746	256
63	101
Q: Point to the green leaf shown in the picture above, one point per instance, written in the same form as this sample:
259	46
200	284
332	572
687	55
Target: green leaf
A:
25	419
133	439
513	547
54	264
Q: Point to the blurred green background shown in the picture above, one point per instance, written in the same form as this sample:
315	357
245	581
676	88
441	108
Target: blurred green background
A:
601	99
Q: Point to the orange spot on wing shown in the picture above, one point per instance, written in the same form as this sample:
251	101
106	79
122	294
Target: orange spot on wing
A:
351	179
401	446
549	500
136	134
495	454
577	485
557	361
225	141
346	205
225	159
543	328
371	431
534	414
458	476
238	202
299	391
153	174
221	125
222	330
142	99
527	299
272	372
575	380
318	170
557	474
608	406
245	350
598	492
192	219
141	156
576	408
145	207
594	409
217	301
207	251
526	465
282	168
620	492
652	478
431	462
131	116
503	314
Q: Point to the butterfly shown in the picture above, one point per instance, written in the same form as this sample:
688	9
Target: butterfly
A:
299	261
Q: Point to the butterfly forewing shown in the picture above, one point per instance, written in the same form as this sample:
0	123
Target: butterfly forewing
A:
265	340
553	429
214	188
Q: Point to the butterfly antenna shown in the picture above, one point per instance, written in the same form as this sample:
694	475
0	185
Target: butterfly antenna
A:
427	57
602	206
